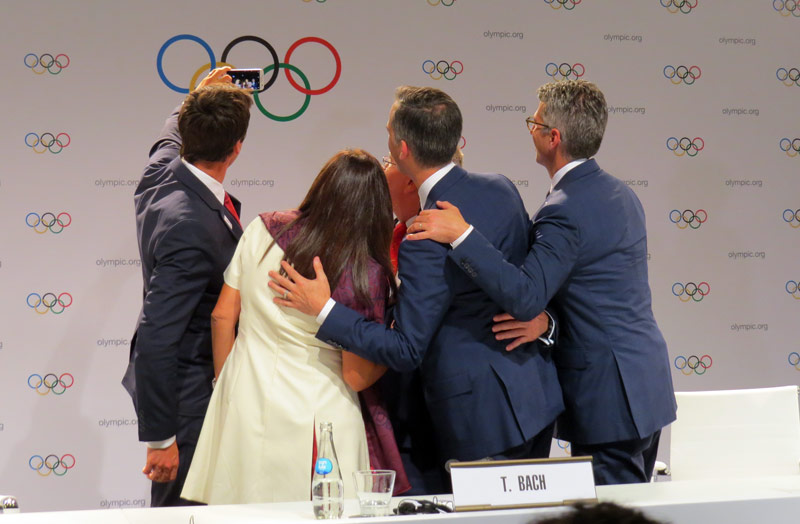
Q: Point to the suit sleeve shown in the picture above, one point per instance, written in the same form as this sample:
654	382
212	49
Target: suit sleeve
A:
423	298
180	277
524	291
168	144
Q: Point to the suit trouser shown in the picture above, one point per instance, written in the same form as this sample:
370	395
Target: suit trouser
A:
536	447
169	493
623	462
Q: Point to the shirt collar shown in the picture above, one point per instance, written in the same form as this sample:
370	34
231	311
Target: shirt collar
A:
425	187
214	185
564	170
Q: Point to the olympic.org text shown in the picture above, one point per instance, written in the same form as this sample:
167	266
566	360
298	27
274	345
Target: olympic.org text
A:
739	111
636	183
742	255
737	41
749	327
110	183
744	183
250	182
520	183
503	35
116	422
623	38
626	110
116	262
121	503
2	427
503	108
113	342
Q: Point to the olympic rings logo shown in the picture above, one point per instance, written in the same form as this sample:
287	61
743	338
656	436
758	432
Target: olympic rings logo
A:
564	71
792	217
684	74
47	62
793	288
685	146
564	445
434	3
52	464
441	69
790	146
787	7
794	360
693	364
48	142
273	67
49	302
50	382
48	222
688	218
569	5
691	291
684	6
788	76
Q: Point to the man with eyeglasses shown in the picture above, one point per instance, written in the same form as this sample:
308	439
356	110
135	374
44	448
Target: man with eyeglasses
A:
588	261
484	401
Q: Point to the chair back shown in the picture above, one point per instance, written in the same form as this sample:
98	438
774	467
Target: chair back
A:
736	434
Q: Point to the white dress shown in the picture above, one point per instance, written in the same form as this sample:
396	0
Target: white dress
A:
278	383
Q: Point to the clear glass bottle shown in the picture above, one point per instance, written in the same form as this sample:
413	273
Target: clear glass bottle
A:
327	488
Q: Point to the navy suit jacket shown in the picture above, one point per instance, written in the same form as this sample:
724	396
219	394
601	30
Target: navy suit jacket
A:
588	261
185	244
482	399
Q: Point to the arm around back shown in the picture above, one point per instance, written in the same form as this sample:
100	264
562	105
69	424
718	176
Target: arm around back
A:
223	325
524	291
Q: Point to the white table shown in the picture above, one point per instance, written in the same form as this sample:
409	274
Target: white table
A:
770	500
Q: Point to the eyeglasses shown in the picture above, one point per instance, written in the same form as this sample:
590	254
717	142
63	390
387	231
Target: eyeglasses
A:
533	123
387	161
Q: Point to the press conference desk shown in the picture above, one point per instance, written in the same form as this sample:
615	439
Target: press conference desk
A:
771	500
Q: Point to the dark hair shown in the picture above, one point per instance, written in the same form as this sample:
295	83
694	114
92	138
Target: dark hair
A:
211	121
346	219
430	123
602	513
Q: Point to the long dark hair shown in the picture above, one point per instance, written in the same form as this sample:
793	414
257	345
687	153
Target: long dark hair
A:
345	219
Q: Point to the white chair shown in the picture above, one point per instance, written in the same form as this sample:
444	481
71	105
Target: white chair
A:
736	434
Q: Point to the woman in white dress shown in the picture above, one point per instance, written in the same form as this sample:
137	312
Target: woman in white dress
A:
278	382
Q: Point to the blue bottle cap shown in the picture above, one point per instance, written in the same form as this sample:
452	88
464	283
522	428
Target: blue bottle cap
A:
323	466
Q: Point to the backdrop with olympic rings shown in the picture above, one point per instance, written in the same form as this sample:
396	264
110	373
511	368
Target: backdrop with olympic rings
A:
702	126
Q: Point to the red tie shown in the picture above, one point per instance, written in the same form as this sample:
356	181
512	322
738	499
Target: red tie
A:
229	207
397	237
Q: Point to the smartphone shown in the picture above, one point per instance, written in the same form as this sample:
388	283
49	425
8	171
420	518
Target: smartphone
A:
247	78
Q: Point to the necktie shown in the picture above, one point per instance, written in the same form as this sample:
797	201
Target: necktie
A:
397	237
229	207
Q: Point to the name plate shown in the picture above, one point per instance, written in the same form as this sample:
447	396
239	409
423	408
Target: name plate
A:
507	484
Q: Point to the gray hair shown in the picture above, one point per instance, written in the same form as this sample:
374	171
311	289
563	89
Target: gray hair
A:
576	108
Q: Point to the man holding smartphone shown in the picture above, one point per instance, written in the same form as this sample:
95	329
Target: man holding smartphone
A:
187	228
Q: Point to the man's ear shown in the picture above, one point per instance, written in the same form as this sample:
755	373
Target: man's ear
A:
404	150
555	138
